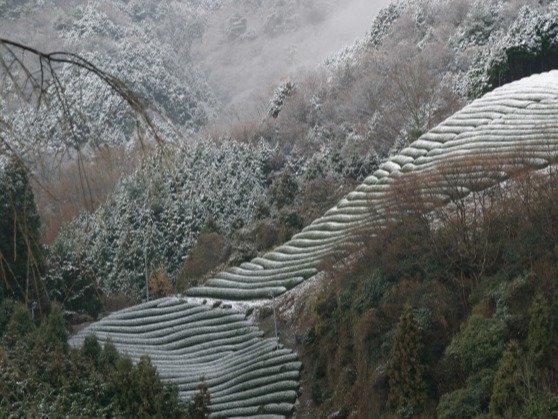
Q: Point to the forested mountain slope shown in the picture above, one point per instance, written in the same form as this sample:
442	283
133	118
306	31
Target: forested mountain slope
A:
512	129
320	136
507	130
184	57
238	174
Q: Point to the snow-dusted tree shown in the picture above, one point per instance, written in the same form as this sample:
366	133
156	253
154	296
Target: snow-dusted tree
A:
155	215
284	91
530	45
39	108
40	83
478	24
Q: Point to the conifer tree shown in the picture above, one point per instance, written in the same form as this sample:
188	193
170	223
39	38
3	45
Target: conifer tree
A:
53	332
506	391
407	388
150	391
285	189
199	408
108	357
540	331
21	259
91	350
19	327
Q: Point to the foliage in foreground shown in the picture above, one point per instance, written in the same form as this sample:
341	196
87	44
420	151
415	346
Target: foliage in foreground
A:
41	376
481	291
21	252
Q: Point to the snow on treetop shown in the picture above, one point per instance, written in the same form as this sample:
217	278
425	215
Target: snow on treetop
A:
515	125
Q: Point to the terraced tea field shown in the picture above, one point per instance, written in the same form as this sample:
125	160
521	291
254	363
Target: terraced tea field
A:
513	128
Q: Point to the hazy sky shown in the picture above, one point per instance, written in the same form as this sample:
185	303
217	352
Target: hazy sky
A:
239	71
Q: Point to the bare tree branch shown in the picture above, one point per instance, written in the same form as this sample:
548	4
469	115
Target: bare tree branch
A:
26	83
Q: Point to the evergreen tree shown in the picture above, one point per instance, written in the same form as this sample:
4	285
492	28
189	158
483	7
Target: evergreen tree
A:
407	389
21	257
285	189
109	356
199	408
19	327
41	377
506	391
53	332
540	331
149	388
91	349
123	386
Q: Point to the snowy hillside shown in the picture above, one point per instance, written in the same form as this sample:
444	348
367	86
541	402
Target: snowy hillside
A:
332	128
513	128
189	59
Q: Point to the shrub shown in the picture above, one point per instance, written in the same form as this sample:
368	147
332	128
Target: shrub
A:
458	404
53	331
291	219
149	388
200	406
160	285
479	344
117	301
210	251
469	401
372	290
108	357
244	253
540	332
91	349
506	393
19	326
261	211
285	189
543	404
263	235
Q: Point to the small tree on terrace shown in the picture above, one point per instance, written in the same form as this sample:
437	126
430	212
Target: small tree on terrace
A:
199	407
160	285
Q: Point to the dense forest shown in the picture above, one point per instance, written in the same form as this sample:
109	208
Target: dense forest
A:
151	156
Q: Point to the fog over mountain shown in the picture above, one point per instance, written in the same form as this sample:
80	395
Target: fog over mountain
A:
243	50
211	53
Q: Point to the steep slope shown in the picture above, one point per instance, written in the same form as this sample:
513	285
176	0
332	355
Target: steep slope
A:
513	128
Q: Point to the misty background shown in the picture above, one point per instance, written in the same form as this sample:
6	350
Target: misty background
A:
247	49
195	59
